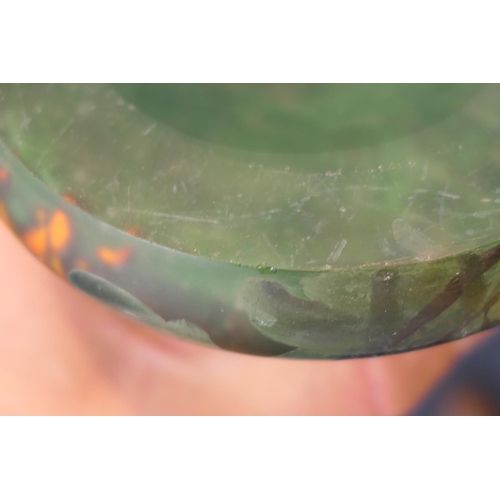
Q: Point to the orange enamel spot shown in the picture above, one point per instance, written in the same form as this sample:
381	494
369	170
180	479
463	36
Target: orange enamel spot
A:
56	266
70	199
36	241
59	230
4	174
113	257
82	264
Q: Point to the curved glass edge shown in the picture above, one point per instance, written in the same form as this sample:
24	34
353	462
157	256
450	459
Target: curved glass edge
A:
341	313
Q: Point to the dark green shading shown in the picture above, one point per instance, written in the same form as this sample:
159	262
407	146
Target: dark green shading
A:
468	277
292	320
297	118
233	333
114	296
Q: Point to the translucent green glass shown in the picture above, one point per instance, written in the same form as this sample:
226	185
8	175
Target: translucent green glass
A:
294	220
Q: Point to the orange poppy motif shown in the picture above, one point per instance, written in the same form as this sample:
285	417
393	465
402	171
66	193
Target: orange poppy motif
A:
113	257
50	238
59	230
36	241
52	234
70	199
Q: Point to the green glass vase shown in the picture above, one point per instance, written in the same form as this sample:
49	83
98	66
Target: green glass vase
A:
291	220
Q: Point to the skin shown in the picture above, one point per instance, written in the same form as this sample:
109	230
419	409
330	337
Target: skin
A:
62	353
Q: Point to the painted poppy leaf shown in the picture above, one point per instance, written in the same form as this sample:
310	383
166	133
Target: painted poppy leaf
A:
114	296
